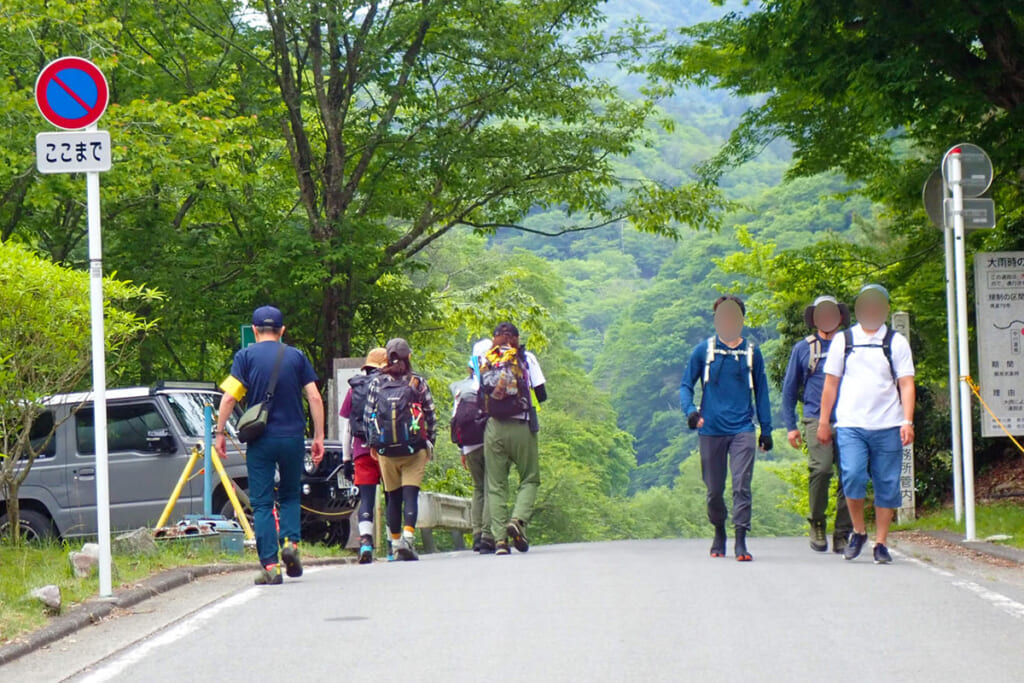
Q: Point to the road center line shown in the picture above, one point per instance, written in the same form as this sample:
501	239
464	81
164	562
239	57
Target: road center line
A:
998	600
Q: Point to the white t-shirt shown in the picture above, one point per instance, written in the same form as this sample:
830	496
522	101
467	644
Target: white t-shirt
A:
868	398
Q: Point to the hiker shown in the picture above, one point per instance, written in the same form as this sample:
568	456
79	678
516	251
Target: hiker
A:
805	378
359	467
278	375
467	432
731	371
871	369
400	419
509	374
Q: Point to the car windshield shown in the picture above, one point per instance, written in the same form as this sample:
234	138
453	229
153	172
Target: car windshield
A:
188	408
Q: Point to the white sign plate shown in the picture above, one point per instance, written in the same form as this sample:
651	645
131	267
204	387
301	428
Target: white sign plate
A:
999	292
73	152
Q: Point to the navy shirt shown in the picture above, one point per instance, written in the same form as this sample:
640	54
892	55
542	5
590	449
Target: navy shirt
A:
726	404
252	369
798	374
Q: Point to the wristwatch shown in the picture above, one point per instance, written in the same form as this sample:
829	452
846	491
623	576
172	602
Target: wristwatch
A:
909	423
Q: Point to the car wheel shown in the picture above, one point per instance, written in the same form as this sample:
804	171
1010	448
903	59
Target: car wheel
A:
227	511
35	526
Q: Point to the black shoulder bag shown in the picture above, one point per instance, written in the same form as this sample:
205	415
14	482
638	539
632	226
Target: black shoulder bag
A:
253	422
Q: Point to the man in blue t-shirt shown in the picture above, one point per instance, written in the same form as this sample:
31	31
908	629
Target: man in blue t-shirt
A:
281	447
731	370
805	378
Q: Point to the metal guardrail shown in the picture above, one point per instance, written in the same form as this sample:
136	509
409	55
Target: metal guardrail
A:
441	511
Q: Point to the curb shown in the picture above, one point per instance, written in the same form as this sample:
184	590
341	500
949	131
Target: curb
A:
1001	552
95	610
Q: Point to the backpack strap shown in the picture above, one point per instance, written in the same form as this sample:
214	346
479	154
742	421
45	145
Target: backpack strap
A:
713	351
709	359
814	353
848	347
750	363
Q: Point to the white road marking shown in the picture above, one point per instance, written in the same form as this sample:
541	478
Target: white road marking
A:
184	628
998	600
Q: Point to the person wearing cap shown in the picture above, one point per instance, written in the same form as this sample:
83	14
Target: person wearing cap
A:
359	468
402	469
511	440
735	386
871	370
281	448
470	440
804	380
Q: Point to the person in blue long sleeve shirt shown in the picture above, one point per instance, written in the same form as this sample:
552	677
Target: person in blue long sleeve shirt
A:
804	381
735	386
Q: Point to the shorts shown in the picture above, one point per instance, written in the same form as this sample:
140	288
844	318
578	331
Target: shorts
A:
881	450
367	471
403	470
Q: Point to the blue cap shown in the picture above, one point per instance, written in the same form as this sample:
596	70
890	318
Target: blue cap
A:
267	316
875	287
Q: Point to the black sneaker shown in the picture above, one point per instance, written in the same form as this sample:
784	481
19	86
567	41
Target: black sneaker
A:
882	555
819	543
290	557
501	548
365	549
487	546
854	545
517	534
718	544
742	554
839	543
269	576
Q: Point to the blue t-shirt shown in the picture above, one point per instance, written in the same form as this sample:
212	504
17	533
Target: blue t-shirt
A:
727	405
253	367
797	375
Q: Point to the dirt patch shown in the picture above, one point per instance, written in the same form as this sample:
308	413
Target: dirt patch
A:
926	540
1004	480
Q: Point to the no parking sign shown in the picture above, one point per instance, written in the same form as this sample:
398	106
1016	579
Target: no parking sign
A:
72	93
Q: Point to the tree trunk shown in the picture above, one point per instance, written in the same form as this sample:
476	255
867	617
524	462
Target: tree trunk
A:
13	511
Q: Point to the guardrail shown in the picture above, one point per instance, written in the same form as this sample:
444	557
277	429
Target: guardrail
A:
441	511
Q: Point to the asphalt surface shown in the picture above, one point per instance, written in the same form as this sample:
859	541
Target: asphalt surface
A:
636	610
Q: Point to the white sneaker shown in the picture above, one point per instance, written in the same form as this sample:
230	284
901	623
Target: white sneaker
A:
405	550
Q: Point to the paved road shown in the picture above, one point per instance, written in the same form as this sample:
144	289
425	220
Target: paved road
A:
639	610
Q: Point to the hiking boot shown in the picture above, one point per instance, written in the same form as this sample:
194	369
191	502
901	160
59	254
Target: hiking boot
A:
818	541
290	557
269	576
501	548
517	534
742	554
487	546
839	543
404	552
476	543
365	549
882	555
718	545
854	546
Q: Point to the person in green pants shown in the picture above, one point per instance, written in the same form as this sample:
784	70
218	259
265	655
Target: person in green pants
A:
467	427
803	383
509	376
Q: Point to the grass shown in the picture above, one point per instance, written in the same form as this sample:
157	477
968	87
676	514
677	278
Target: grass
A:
990	519
29	566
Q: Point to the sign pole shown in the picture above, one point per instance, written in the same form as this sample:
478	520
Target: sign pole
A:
99	380
963	351
954	389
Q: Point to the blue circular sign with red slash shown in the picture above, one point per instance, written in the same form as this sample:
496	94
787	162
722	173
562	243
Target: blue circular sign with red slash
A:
72	93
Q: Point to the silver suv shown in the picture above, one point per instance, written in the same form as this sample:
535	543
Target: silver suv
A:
150	434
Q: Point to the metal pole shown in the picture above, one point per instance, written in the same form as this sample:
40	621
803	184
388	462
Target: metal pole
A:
207	460
99	379
963	351
954	390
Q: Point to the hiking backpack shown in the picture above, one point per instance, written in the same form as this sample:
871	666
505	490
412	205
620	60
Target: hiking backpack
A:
360	385
469	421
814	354
504	383
713	351
396	426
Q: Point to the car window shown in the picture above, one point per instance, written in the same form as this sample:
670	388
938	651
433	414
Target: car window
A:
127	427
42	437
188	408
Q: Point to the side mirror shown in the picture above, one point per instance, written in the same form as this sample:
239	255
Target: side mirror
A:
160	440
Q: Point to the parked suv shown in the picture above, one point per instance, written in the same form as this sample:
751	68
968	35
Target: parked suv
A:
150	434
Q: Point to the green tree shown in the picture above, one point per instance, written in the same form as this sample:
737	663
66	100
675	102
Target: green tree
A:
47	352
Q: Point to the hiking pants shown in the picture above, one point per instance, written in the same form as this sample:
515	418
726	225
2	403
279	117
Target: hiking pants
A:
719	455
479	514
508	443
822	461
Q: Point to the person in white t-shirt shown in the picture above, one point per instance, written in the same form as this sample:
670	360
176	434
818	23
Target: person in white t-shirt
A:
871	369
